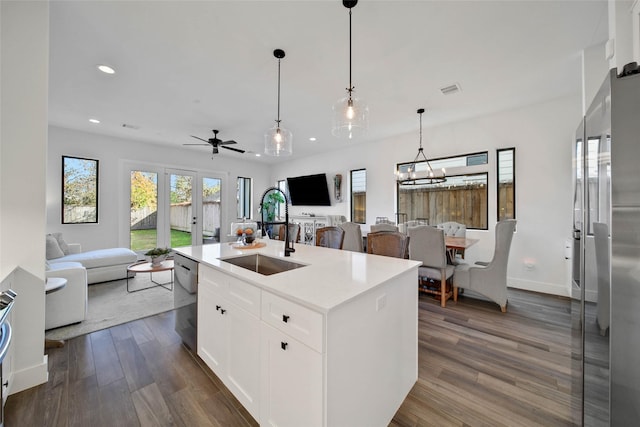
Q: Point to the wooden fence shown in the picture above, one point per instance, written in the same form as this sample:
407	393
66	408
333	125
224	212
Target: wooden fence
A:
180	217
464	204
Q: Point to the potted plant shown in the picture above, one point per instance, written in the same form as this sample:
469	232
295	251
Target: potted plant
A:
269	204
158	255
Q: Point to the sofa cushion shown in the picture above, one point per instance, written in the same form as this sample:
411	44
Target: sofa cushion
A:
63	245
103	257
53	250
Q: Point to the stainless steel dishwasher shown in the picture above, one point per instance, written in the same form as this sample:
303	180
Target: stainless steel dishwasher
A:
185	297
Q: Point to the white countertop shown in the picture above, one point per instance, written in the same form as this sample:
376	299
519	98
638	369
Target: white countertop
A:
330	278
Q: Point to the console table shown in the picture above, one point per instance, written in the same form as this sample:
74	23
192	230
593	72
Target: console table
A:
308	227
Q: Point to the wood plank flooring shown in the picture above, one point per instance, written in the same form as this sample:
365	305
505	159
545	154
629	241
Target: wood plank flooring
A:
477	367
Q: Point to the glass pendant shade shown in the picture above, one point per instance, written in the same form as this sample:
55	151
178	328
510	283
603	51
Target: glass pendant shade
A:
278	142
350	118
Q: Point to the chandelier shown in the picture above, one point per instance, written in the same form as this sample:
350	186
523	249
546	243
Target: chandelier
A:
419	171
278	140
350	114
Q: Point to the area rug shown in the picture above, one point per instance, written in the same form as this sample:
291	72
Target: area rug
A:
110	304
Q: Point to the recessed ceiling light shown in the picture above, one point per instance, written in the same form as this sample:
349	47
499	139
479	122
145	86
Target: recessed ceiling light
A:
313	139
106	69
96	121
258	154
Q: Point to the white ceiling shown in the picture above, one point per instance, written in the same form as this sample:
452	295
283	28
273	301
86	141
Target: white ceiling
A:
185	68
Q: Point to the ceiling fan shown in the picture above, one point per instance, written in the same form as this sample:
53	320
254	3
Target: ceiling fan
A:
215	142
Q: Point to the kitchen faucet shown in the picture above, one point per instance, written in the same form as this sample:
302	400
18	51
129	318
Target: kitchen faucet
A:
288	245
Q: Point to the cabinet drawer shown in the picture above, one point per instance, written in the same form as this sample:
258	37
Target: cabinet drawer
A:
299	322
212	279
244	295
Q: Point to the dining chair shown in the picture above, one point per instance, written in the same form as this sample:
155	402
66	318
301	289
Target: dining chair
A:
383	226
603	270
352	237
427	245
294	232
330	237
388	243
489	280
454	229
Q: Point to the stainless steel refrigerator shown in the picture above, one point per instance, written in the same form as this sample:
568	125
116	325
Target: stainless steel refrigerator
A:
606	257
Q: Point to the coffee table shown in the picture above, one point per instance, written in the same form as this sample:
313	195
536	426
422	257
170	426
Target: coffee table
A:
147	267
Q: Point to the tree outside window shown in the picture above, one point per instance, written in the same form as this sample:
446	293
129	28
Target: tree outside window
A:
79	190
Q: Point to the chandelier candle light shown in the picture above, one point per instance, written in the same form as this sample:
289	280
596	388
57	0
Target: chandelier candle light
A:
410	175
350	114
278	140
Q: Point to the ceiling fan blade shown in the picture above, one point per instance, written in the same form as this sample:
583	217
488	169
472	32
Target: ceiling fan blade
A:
232	149
207	144
197	137
231	141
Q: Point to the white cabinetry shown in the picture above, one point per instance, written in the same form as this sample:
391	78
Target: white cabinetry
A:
229	334
308	227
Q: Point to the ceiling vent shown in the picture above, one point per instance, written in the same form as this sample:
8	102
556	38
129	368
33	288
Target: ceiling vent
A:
451	89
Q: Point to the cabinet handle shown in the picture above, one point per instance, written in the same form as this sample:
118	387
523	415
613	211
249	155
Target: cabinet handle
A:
222	311
217	307
6	383
283	345
285	318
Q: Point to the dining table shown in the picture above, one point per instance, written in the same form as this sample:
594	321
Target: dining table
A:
457	245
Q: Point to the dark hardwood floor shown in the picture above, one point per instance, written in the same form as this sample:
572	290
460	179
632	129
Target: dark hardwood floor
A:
477	367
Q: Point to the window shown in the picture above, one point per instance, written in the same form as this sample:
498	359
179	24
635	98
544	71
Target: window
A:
506	176
280	209
359	196
244	197
462	198
79	190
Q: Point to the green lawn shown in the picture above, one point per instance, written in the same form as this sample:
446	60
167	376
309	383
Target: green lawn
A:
146	239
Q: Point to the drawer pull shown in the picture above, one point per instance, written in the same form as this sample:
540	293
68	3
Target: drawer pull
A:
285	318
283	345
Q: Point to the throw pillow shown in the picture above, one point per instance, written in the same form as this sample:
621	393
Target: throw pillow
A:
63	245
53	248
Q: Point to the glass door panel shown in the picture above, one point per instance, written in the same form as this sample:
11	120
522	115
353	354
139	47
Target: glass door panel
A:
143	200
181	213
211	210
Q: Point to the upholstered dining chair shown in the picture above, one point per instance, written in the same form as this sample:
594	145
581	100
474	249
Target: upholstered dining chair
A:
427	245
330	237
388	243
603	270
352	237
454	229
294	232
489	280
383	227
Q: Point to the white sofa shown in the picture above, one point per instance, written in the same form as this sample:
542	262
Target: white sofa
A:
102	264
69	304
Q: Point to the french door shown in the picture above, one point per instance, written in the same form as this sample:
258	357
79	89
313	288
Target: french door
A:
173	207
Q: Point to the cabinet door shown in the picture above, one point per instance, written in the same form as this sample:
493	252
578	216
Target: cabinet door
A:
291	382
212	330
243	364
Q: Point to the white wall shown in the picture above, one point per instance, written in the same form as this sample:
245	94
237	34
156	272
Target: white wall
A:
112	152
24	77
542	135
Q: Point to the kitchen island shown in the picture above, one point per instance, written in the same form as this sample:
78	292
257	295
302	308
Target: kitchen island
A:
324	338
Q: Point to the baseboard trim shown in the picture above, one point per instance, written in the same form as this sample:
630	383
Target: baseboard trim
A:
542	287
29	377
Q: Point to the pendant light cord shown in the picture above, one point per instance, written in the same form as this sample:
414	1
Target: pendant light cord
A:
278	119
350	84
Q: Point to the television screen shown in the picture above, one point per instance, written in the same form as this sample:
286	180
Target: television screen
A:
310	190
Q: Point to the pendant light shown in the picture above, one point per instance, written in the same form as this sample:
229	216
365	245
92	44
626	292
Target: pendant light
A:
419	171
277	140
350	114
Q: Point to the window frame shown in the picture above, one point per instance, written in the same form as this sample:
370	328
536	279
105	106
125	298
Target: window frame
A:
243	206
513	177
351	193
95	186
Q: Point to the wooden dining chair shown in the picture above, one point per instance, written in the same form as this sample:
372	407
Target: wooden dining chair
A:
330	237
388	243
435	274
294	232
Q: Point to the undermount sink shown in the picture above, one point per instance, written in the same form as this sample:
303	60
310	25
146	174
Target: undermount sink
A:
263	264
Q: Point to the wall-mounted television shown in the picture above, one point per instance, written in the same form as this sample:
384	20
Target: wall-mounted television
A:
309	190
